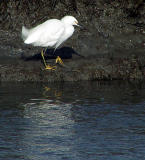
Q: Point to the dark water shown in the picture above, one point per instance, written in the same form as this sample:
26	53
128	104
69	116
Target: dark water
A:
72	121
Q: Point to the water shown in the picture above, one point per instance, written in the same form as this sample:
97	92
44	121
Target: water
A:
72	121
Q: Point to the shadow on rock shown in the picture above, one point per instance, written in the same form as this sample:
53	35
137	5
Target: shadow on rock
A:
64	53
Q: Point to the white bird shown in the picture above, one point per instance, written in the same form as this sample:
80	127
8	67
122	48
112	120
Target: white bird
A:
51	33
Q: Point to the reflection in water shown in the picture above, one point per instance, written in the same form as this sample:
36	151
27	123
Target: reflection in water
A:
107	92
75	121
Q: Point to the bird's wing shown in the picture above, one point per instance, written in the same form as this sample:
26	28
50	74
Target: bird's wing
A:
49	31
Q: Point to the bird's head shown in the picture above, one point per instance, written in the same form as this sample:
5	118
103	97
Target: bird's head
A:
70	20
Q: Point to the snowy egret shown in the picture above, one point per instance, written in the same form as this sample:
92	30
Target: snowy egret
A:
51	33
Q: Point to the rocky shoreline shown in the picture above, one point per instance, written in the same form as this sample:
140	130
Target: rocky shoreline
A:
110	47
74	70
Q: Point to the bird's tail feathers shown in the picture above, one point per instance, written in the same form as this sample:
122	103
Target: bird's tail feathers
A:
25	33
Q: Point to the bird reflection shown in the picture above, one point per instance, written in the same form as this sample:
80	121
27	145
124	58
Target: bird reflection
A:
48	92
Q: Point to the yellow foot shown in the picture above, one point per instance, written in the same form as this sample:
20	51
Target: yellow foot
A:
47	66
50	68
59	60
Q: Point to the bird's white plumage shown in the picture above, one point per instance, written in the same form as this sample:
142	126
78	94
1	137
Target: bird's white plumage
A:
50	33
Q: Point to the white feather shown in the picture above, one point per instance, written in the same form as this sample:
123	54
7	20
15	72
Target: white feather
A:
50	33
25	33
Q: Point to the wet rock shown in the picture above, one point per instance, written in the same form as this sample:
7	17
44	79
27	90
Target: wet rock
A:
74	70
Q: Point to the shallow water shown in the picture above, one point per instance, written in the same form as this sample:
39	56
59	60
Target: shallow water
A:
72	121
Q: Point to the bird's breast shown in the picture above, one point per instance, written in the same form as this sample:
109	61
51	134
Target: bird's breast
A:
68	32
